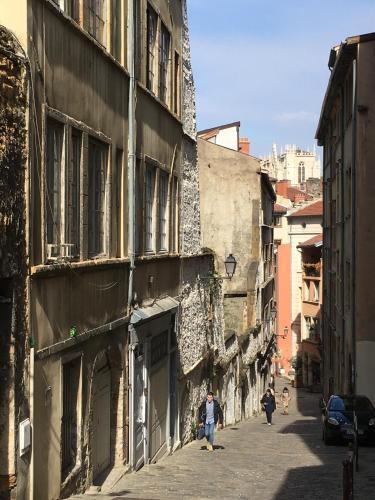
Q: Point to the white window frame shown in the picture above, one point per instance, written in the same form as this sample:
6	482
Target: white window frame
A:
163	218
150	189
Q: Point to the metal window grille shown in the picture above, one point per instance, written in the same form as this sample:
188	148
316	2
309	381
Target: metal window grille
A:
69	430
72	9
96	202
159	347
116	29
138	207
55	139
150	193
96	17
72	194
151	41
163	201
163	62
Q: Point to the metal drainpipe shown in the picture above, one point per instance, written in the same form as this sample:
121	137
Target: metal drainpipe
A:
131	148
353	209
131	208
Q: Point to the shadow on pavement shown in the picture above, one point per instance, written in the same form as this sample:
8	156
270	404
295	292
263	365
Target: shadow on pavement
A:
324	479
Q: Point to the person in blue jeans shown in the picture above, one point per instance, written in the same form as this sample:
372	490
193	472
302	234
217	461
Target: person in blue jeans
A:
210	415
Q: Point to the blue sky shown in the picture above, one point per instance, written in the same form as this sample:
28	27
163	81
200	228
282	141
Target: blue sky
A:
264	63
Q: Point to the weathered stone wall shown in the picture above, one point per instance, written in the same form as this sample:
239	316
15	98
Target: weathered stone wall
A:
190	216
13	153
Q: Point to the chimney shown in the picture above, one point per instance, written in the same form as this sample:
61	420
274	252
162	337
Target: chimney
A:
282	188
244	145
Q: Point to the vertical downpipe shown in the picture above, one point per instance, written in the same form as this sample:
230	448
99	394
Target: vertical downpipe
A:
353	210
131	147
131	208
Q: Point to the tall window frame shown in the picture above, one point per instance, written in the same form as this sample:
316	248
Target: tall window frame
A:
116	25
163	212
72	194
152	29
301	172
97	202
96	19
54	162
164	61
150	186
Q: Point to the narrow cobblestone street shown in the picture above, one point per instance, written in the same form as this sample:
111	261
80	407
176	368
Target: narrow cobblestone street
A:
287	461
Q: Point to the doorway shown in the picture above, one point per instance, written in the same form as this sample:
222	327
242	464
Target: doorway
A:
101	443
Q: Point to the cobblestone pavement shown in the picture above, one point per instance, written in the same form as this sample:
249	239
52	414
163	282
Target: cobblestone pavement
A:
287	461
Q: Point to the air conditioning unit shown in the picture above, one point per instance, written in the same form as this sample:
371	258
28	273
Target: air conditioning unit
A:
53	251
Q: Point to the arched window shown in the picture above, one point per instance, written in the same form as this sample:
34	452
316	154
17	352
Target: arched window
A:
301	172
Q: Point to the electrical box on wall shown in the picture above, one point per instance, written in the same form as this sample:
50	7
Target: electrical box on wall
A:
24	433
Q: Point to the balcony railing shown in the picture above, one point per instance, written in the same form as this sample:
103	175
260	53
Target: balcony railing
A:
312	269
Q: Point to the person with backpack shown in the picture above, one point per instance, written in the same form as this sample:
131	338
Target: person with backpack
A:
210	415
269	405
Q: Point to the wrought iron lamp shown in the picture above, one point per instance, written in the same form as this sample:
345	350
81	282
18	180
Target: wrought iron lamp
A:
230	264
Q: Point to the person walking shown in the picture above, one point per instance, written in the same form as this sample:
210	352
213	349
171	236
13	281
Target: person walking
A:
269	405
285	398
210	415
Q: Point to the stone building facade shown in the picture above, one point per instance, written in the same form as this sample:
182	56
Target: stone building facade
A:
293	164
105	281
14	343
346	132
236	214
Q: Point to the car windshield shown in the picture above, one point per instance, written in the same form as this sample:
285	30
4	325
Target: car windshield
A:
349	404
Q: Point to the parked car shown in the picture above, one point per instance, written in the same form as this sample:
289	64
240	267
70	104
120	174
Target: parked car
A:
338	418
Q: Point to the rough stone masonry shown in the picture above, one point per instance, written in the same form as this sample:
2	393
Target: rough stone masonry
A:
13	155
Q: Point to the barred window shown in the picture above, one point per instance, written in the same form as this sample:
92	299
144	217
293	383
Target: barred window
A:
97	173
164	62
72	196
96	19
163	202
152	22
149	208
54	158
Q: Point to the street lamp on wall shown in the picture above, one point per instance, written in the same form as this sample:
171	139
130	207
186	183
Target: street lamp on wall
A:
230	264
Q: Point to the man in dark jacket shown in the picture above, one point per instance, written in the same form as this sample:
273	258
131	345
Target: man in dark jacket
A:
210	414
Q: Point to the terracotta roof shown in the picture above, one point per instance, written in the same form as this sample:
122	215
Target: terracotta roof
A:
315	241
310	210
293	192
279	209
